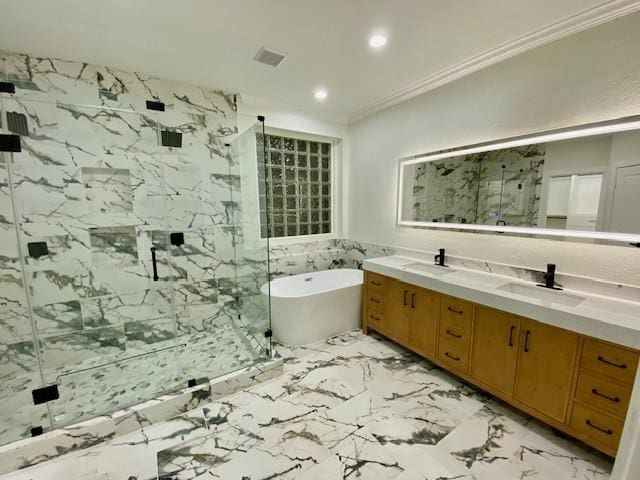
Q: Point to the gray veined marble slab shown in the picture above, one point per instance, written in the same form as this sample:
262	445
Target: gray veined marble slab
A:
185	407
411	421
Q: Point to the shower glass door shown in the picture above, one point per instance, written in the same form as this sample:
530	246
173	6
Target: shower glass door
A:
131	268
91	214
247	169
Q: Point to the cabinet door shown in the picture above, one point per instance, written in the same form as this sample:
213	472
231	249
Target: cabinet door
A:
546	361
397	299
495	348
423	320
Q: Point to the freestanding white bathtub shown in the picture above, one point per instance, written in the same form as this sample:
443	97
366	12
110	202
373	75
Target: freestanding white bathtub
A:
309	307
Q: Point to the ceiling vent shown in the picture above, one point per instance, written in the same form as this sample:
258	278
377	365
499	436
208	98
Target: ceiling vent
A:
269	57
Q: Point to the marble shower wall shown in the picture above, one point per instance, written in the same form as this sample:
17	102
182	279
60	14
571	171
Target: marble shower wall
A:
95	184
446	190
481	188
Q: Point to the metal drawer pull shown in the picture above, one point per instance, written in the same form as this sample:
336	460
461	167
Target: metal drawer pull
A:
613	364
377	284
526	340
459	312
511	330
404	298
457	359
453	334
612	399
600	429
374	317
413	300
374	300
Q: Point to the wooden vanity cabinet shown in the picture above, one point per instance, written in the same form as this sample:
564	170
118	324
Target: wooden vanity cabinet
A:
606	373
412	316
496	338
398	295
454	337
423	321
546	362
577	384
374	297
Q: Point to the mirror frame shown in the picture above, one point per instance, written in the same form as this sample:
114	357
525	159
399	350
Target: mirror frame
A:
623	124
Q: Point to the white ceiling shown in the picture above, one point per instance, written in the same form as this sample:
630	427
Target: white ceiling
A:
212	42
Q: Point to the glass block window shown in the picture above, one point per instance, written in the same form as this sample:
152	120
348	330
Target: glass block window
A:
298	182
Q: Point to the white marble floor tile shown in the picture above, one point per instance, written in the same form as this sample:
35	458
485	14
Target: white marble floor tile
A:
364	457
544	454
488	439
352	407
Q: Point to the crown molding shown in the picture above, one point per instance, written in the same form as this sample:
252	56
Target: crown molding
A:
576	23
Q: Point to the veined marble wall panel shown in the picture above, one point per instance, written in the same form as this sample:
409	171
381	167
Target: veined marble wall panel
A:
14	316
356	252
446	190
19	369
303	257
481	188
95	184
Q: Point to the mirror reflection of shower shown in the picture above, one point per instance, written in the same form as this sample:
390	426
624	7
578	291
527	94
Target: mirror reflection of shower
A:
583	184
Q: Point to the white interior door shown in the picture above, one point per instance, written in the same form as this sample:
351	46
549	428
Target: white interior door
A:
584	201
624	211
558	197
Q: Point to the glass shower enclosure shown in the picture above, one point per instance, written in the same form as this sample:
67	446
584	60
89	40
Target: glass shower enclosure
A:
131	261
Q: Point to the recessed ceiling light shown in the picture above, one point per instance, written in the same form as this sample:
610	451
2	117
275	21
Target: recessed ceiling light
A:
377	40
320	93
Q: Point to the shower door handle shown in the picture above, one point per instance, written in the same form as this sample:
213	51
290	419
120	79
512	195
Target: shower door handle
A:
155	264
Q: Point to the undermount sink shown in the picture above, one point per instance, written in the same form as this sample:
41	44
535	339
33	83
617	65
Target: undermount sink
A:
425	267
543	294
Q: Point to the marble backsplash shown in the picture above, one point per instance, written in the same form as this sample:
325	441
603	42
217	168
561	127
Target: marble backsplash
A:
291	259
312	256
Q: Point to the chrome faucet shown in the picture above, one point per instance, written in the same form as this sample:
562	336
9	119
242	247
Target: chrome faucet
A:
550	277
440	258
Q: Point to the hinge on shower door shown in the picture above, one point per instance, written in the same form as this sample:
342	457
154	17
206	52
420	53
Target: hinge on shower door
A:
45	394
10	143
268	334
7	87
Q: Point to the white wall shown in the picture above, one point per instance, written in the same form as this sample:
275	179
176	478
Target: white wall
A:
576	156
591	76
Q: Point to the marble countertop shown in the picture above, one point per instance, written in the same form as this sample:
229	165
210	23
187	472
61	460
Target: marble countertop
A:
605	318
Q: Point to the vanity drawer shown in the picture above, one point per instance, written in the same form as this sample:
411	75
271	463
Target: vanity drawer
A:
455	325
615	362
375	281
602	393
375	300
596	425
375	319
454	351
456	310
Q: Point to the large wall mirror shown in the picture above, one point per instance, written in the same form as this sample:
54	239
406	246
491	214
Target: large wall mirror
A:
575	183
